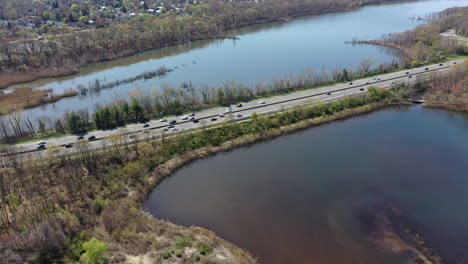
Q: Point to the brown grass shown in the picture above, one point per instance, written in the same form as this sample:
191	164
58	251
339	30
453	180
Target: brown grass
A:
9	78
26	97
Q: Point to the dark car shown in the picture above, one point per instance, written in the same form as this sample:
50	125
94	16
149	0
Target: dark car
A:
146	125
214	119
441	64
80	138
239	105
362	89
407	72
196	121
69	145
91	138
350	83
170	126
454	62
172	122
411	76
192	114
328	93
426	68
41	147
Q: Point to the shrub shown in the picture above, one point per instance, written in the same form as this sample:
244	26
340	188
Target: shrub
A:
94	251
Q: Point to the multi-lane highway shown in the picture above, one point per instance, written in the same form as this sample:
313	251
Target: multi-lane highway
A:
266	105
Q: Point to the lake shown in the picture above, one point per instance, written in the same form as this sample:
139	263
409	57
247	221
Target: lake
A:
262	52
295	199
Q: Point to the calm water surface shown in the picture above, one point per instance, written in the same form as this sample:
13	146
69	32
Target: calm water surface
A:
263	52
294	199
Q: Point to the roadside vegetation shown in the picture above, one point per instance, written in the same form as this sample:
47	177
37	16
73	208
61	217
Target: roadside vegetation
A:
51	208
170	100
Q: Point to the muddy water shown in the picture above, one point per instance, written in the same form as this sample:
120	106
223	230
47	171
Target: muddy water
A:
295	199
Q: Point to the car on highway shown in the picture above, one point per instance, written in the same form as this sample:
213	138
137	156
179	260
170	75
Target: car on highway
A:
350	83
192	118
441	64
239	105
174	129
91	138
80	138
165	129
146	125
184	117
454	62
196	121
407	72
366	82
238	115
214	119
163	120
427	68
170	126
262	102
329	93
40	147
228	110
173	122
222	115
69	145
146	131
411	76
42	142
378	79
192	114
362	89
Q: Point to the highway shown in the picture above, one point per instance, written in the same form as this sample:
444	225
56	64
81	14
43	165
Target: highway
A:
269	105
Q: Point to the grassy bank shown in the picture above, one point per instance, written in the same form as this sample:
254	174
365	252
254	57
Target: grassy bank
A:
10	78
26	97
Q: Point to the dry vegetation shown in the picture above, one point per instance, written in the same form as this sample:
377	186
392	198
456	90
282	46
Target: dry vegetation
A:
26	97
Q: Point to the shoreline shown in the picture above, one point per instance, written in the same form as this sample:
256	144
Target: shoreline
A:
8	79
407	53
168	168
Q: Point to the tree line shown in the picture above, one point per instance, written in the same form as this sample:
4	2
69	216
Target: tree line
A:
173	100
123	38
425	41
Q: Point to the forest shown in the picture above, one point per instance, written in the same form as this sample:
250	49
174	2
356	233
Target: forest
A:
211	19
425	44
